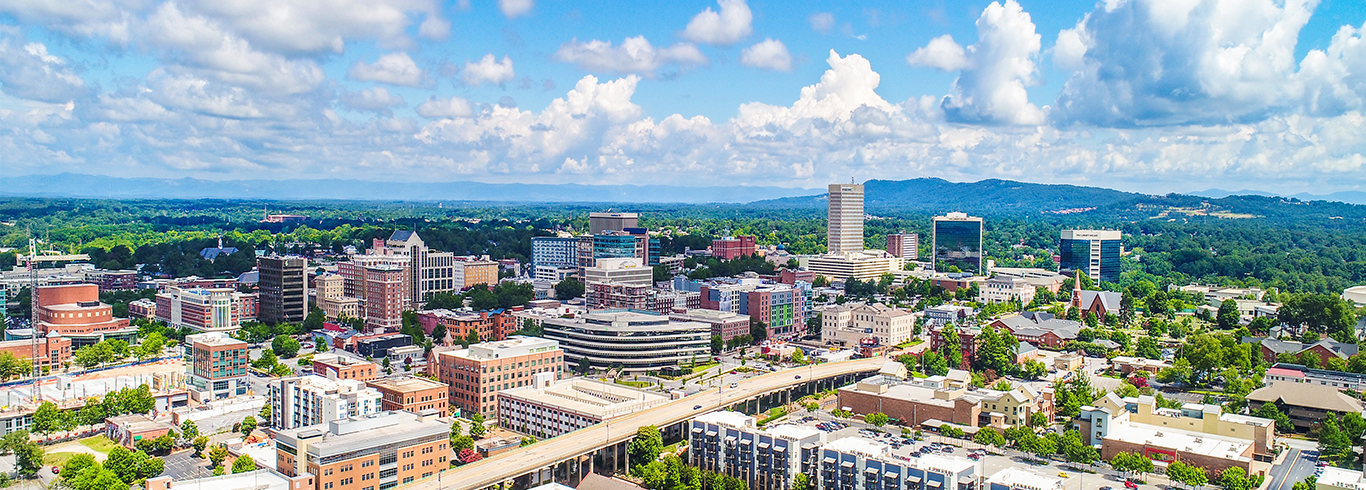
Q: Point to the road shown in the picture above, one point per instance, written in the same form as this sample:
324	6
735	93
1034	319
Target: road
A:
491	471
1298	465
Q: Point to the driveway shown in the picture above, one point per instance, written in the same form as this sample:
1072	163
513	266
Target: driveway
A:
1298	465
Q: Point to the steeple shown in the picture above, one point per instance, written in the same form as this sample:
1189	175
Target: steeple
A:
1076	290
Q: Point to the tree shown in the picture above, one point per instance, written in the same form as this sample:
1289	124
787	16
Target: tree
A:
1181	472
1147	348
1322	313
265	413
1035	369
124	463
477	426
473	336
468	456
460	443
651	474
248	425
1333	442
758	331
798	356
716	344
1227	318
439	333
11	366
1038	419
151	345
199	444
190	430
267	361
877	419
243	464
149	467
1235	478
1043	447
217	454
567	289
1132	463
646	446
802	482
314	321
48	418
988	437
10	442
284	346
28	458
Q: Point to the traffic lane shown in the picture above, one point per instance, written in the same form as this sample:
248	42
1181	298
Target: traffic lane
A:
1298	465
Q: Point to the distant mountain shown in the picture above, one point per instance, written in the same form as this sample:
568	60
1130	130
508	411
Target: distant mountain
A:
1349	197
102	187
992	195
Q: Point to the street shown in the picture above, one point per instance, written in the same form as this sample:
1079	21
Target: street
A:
1298	465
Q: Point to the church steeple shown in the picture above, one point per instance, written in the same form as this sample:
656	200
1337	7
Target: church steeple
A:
1076	290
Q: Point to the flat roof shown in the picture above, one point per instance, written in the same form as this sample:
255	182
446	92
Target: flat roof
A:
406	384
1341	477
365	432
857	445
1013	477
1180	440
790	431
727	418
589	397
262	479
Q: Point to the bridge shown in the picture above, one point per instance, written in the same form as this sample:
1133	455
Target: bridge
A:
601	448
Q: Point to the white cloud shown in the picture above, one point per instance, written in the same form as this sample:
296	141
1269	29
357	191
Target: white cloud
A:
202	45
27	71
1145	62
317	26
392	68
942	53
515	8
441	108
723	28
1334	80
374	99
488	70
105	18
994	72
769	54
822	22
634	55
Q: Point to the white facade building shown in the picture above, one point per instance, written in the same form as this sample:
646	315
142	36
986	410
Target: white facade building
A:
850	323
1006	289
550	408
628	271
845	223
310	400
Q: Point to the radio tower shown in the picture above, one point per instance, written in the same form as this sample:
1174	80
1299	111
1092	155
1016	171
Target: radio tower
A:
33	305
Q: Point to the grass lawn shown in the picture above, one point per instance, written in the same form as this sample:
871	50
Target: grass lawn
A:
904	345
57	459
635	384
99	443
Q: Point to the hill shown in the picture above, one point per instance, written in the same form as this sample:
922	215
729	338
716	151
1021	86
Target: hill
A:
991	196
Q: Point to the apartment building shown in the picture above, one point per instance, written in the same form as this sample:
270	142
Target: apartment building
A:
283	289
200	309
74	311
139	308
946	399
386	297
1003	289
1196	433
904	245
849	323
412	394
217	365
428	271
613	295
475	375
301	401
729	248
378	451
471	272
779	306
490	324
554	252
549	407
341	367
329	293
352	272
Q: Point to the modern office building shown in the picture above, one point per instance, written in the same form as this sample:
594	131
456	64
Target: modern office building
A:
850	323
958	243
866	265
1091	252
429	271
844	227
600	222
412	394
217	366
626	270
201	310
74	311
283	289
301	401
613	295
727	324
386	297
633	341
352	272
904	245
549	407
378	346
379	451
1004	289
475	375
779	306
338	366
554	251
729	248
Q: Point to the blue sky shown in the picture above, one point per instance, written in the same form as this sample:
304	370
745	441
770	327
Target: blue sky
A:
1143	95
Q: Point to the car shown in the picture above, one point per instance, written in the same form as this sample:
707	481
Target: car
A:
1107	487
1322	463
733	385
1062	474
974	457
697	407
56	470
797	377
1130	484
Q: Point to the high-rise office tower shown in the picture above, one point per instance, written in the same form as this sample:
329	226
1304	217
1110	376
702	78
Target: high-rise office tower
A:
283	288
958	243
845	222
1092	252
904	245
600	222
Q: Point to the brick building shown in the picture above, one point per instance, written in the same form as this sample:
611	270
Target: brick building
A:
53	350
74	311
384	451
494	324
729	248
475	375
412	394
341	367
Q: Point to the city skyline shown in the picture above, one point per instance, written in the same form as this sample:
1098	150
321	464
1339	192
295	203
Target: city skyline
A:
1236	95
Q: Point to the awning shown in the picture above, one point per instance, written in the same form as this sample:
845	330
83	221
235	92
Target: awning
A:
763	445
828	460
711	433
872	471
891	474
730	438
747	442
933	483
847	464
965	480
696	430
781	449
913	479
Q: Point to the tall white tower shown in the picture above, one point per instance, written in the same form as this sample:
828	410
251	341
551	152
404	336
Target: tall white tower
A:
845	223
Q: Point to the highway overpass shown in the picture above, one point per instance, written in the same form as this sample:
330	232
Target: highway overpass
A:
569	457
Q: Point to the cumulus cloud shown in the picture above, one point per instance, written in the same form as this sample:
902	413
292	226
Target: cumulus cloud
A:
488	70
392	68
375	99
769	54
822	22
941	53
723	28
442	108
515	8
1146	62
994	72
27	71
313	26
203	46
1334	80
634	55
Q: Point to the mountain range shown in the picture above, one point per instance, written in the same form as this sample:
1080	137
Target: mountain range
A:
1349	197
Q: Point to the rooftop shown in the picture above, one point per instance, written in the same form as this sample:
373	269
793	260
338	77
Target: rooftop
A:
589	397
262	479
727	418
1020	477
1307	395
357	433
406	384
214	339
1184	441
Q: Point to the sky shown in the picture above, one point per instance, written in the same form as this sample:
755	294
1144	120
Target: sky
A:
1142	95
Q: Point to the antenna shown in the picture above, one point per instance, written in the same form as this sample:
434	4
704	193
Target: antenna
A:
33	309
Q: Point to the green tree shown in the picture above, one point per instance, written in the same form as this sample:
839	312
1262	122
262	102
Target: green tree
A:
189	430
1227	318
265	413
48	419
1322	313
716	344
1038	419
1235	478
802	482
314	321
28	458
646	446
798	356
151	345
477	426
988	437
462	442
877	419
11	366
1147	348
1132	463
1181	472
217	454
199	444
1333	442
651	474
267	361
567	289
248	425
124	463
243	464
284	346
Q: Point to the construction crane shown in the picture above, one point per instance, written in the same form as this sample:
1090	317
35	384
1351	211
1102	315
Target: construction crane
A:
31	261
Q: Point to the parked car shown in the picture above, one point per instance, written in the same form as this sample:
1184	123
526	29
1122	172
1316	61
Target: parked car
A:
1130	484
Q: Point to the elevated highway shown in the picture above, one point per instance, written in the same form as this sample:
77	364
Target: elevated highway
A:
569	457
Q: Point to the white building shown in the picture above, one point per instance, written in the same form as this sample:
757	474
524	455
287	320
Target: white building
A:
202	310
632	340
1356	295
550	408
1013	478
731	443
310	400
628	271
1001	289
849	323
862	264
845	223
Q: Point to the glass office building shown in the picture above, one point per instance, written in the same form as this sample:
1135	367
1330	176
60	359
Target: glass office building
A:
1091	252
958	243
